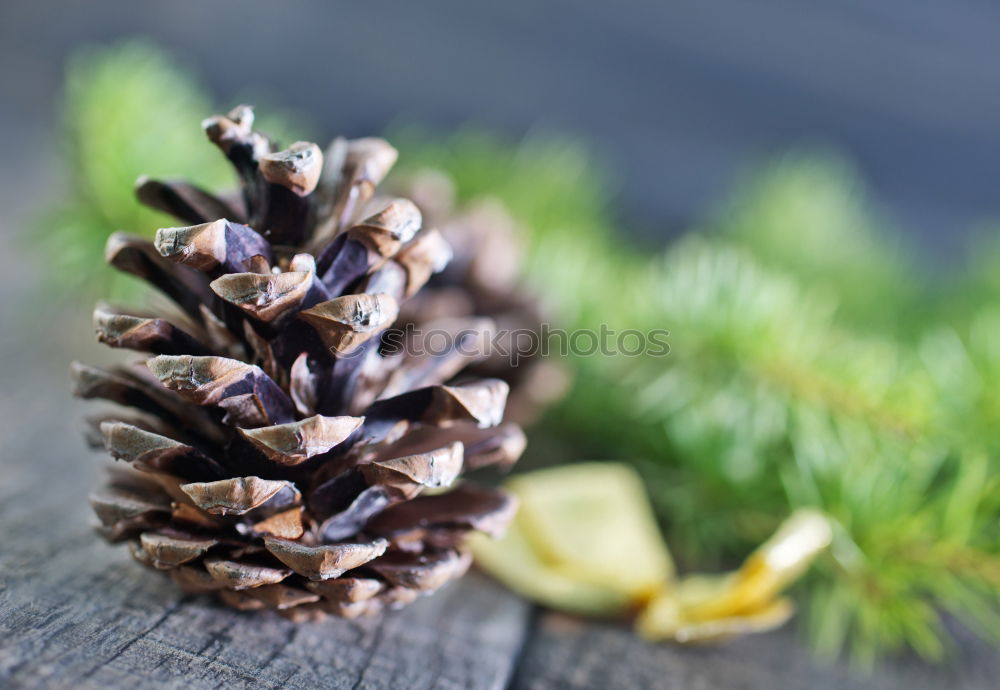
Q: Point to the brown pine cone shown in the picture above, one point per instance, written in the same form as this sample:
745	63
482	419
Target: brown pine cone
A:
276	451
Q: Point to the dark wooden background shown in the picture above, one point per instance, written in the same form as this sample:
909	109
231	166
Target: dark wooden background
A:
679	96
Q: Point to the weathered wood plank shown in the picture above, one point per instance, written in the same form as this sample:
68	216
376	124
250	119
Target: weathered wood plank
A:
567	654
76	613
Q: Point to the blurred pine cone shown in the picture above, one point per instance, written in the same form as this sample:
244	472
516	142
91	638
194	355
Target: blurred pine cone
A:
278	452
484	277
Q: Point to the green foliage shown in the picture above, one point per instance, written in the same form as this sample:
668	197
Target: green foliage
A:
765	405
799	376
807	215
811	363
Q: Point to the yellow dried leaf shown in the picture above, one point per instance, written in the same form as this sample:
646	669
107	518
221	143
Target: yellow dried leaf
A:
664	619
585	540
592	522
772	567
709	607
512	561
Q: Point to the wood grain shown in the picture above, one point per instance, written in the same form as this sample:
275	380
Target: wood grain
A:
565	653
76	613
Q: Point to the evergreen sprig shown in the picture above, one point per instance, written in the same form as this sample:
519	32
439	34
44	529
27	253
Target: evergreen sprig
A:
808	214
765	405
806	370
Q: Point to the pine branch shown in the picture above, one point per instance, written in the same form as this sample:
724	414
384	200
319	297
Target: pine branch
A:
807	214
762	383
772	398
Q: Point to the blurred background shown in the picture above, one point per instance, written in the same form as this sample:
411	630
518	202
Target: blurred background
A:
679	98
804	193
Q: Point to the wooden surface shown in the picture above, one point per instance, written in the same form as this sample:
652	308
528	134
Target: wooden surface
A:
77	613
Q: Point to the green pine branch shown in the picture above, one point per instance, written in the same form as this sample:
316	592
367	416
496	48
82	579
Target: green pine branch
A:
767	404
808	215
799	376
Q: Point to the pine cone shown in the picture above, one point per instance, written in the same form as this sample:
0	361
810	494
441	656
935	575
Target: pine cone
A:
276	452
484	277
